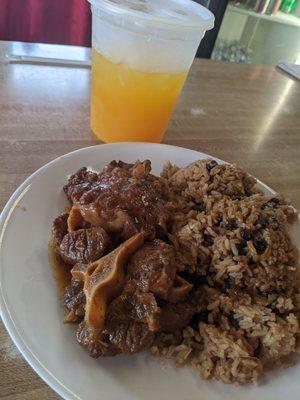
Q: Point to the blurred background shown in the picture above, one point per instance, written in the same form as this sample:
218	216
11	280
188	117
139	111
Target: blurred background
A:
246	31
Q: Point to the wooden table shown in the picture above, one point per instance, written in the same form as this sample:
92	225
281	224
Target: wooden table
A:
248	114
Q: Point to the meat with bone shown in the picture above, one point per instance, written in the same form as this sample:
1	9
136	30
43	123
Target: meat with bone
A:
124	198
125	298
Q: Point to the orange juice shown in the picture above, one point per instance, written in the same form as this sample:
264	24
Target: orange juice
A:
131	105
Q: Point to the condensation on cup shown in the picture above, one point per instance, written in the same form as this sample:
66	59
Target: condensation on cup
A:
141	54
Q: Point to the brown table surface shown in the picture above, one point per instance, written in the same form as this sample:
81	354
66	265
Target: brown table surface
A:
247	114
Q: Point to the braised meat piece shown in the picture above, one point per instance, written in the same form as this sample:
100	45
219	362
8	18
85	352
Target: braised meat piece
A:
125	199
176	316
59	228
136	306
129	337
131	320
95	342
128	324
79	183
84	245
74	298
75	220
153	268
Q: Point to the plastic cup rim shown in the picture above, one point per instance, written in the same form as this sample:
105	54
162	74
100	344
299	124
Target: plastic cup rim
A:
171	24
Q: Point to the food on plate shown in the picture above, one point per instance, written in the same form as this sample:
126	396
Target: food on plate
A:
123	199
196	265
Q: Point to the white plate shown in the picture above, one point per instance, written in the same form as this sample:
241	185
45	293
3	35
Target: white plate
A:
33	315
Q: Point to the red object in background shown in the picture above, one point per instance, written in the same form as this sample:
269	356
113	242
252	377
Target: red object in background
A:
46	21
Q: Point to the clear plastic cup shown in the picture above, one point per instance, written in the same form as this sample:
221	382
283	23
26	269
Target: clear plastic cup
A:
141	54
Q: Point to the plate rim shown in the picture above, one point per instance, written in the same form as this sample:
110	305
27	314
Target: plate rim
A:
5	315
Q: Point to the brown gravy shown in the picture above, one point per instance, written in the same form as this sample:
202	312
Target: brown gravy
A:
61	275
